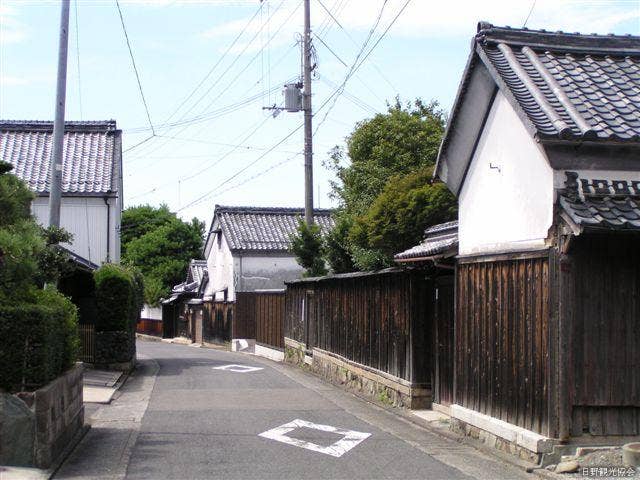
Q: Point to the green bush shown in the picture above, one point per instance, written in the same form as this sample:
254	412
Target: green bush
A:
119	297
114	298
39	341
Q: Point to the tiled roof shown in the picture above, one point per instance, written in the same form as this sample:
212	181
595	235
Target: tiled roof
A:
264	229
90	156
441	240
569	86
197	271
197	276
601	204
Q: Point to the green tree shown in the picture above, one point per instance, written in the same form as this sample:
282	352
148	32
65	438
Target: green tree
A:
399	215
136	221
336	245
384	188
308	247
162	249
400	141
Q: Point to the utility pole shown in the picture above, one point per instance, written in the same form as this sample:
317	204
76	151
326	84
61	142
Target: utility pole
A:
308	116
55	168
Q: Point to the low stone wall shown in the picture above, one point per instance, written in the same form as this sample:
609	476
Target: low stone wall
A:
370	383
115	350
35	427
499	434
294	352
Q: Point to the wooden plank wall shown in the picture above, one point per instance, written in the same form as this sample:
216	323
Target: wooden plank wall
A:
502	340
244	321
260	315
379	320
270	318
444	341
149	326
605	336
217	318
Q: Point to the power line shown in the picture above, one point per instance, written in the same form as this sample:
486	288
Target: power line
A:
357	65
242	170
204	79
228	68
78	58
334	18
135	69
533	5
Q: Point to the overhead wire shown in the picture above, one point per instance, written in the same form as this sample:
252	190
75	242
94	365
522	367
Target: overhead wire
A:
135	68
212	69
241	71
337	22
357	64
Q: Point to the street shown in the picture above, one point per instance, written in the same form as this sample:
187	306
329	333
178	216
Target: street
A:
186	414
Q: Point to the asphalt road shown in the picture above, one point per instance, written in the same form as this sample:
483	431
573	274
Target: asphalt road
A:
182	417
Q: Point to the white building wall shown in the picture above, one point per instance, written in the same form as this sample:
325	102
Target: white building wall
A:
267	272
86	219
506	202
220	265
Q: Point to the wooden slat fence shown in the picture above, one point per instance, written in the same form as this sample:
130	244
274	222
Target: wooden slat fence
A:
378	319
217	321
605	358
87	343
260	315
502	340
149	327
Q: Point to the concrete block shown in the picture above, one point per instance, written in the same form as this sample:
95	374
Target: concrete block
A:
246	345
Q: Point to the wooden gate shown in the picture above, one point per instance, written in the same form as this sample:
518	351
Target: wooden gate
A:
444	341
87	343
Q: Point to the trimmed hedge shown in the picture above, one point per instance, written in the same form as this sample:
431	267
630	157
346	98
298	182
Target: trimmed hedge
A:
39	341
116	298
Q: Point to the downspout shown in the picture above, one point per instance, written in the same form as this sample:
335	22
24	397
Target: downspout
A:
106	202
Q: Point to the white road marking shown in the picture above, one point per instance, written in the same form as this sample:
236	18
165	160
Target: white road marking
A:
337	449
238	368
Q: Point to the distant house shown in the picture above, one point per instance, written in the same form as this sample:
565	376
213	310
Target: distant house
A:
91	203
542	150
247	249
183	309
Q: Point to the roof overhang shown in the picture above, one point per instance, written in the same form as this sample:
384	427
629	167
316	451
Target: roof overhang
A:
471	108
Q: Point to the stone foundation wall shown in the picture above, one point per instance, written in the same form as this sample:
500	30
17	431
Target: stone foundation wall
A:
35	427
294	352
366	382
494	441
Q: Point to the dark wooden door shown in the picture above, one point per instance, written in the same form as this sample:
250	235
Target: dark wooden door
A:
310	319
444	340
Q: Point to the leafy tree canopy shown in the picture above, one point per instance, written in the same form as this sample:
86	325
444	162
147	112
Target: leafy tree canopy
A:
29	253
161	246
136	221
400	141
308	247
384	187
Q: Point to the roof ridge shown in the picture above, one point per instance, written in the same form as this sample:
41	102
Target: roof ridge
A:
272	210
47	125
559	40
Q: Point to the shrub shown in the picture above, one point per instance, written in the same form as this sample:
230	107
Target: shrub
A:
119	297
39	341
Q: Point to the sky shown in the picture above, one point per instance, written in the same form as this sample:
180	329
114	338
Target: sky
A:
208	69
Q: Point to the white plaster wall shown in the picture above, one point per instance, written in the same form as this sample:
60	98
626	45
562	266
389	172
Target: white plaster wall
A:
151	313
508	207
86	219
266	272
221	270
